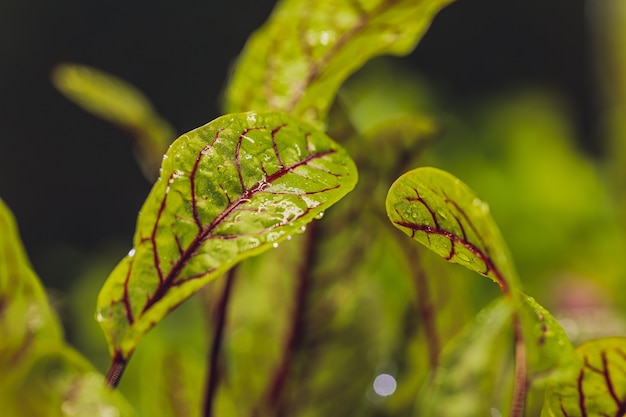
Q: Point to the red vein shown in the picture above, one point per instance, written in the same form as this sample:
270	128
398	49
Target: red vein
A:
581	393
126	298
316	68
192	178
206	232
275	145
155	251
454	239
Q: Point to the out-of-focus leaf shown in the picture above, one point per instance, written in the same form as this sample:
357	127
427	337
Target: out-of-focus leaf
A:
299	58
439	211
228	190
59	382
25	316
597	383
41	375
120	103
472	378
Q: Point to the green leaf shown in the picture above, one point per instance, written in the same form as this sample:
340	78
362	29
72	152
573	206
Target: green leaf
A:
228	190
60	382
120	103
439	211
597	385
299	58
41	375
472	376
25	316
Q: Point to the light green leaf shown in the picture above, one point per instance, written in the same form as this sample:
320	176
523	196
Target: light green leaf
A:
25	316
299	58
597	385
59	382
549	349
41	375
120	103
472	377
439	211
228	190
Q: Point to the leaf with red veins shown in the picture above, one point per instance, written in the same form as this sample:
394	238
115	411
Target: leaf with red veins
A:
228	190
298	60
439	211
596	386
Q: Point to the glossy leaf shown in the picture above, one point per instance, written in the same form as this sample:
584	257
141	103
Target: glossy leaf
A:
299	58
228	190
120	103
597	385
439	211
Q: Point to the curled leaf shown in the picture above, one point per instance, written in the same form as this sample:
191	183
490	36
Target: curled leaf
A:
439	211
298	60
228	190
597	383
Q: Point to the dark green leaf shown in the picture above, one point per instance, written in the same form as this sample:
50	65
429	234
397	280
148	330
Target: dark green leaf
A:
298	60
228	190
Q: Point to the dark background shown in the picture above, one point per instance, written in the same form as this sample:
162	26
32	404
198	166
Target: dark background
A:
71	179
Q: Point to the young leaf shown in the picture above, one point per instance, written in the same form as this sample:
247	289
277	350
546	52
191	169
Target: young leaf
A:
120	103
597	385
228	190
298	60
439	211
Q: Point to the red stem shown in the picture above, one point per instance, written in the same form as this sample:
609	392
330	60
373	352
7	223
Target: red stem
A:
213	378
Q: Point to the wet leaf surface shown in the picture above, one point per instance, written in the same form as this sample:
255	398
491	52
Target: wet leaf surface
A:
228	190
299	58
442	213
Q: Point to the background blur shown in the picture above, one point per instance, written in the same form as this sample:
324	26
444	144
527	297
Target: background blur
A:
71	178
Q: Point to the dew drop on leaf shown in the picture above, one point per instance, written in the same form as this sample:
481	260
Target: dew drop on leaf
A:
319	215
131	253
275	244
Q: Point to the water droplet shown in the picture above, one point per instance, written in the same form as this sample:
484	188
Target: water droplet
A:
495	412
165	157
99	317
288	237
131	253
302	229
385	385
275	244
319	215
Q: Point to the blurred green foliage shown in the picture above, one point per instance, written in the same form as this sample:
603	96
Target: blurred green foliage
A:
311	326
